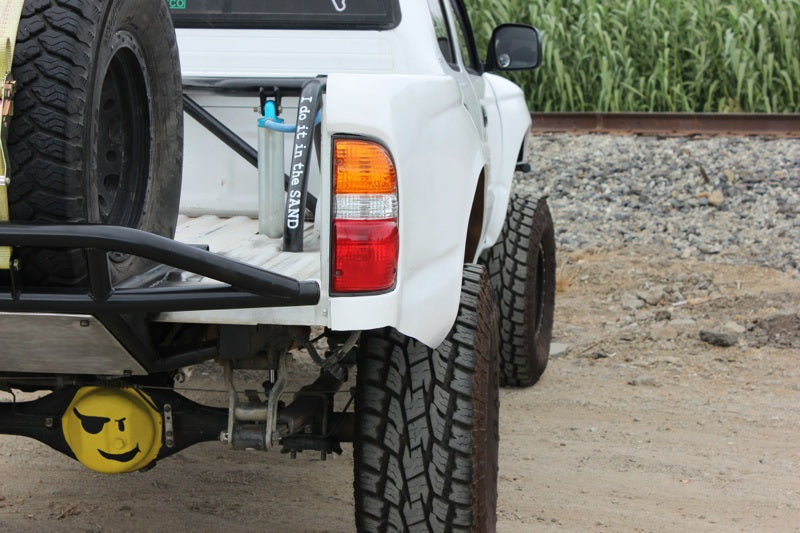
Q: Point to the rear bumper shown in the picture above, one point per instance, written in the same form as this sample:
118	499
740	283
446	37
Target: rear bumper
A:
241	285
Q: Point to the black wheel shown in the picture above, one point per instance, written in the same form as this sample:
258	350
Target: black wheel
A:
522	267
426	439
97	134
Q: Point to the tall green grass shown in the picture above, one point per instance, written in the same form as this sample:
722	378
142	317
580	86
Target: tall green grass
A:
657	55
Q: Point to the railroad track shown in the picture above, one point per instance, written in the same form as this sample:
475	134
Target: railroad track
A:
670	124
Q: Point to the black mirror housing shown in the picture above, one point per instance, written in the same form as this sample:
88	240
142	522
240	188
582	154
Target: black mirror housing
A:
514	47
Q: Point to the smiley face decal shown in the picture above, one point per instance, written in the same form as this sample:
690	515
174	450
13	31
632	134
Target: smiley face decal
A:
112	430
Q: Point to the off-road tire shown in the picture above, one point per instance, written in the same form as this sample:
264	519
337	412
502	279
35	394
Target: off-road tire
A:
426	438
522	267
97	134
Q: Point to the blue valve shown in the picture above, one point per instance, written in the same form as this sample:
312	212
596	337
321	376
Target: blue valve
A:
271	121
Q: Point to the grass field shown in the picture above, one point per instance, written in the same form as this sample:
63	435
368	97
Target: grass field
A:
657	55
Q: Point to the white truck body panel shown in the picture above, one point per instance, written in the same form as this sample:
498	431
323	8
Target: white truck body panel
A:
292	53
508	120
393	87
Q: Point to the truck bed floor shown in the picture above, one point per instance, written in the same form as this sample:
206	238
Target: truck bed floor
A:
238	238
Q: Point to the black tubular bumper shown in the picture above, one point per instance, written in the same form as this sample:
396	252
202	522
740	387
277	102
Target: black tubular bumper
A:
245	286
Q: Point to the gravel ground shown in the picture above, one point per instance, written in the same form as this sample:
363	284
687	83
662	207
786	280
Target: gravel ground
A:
713	199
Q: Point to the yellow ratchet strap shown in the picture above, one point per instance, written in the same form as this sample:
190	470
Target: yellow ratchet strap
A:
10	13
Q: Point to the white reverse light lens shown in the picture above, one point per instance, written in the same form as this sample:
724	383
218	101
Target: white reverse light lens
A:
365	206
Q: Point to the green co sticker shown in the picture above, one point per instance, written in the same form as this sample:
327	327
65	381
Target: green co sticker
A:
177	4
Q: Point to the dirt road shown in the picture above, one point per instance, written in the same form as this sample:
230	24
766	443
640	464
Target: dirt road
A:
638	426
642	426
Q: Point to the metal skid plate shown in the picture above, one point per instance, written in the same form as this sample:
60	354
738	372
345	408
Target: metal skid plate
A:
62	344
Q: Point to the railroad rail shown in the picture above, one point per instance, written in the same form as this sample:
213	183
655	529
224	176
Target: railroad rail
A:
670	124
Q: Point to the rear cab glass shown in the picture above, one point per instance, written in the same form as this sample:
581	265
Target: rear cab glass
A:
286	14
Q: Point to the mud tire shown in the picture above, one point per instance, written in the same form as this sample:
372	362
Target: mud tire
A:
97	134
522	267
426	442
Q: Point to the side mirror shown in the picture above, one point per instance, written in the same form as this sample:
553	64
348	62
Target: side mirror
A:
514	47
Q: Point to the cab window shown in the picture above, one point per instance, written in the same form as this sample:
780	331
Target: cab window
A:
466	42
442	30
289	14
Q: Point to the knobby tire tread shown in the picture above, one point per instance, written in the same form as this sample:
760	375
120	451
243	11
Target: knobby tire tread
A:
47	124
54	61
416	424
524	352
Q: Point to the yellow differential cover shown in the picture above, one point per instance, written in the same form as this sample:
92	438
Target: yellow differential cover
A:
112	430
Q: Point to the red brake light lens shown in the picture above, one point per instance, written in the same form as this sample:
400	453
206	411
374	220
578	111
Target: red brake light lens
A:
365	256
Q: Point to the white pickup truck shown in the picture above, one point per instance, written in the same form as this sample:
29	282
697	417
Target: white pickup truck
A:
341	185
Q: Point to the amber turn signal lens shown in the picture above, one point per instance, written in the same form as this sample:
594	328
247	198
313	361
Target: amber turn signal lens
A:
362	167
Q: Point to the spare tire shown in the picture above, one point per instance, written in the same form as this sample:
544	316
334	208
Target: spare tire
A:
97	134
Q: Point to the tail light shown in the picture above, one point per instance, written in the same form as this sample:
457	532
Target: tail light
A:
366	242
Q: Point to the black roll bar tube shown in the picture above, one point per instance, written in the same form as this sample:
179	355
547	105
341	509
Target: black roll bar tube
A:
220	130
231	139
249	286
307	107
